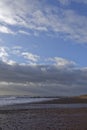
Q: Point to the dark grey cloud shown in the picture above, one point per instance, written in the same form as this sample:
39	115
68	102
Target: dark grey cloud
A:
42	79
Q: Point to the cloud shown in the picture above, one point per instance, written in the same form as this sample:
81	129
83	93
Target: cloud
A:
4	29
15	51
12	55
39	16
3	54
43	80
30	56
24	32
61	62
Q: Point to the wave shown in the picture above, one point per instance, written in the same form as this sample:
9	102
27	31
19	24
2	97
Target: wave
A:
10	100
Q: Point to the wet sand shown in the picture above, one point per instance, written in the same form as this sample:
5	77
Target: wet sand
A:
43	119
70	100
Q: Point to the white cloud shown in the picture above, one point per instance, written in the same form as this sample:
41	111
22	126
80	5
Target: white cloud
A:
24	32
4	29
39	17
62	63
30	56
16	50
17	55
3	54
11	62
7	54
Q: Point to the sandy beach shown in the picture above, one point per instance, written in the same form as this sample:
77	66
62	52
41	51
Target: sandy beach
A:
43	119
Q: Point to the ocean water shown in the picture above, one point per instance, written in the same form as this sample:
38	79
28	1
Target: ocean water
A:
11	100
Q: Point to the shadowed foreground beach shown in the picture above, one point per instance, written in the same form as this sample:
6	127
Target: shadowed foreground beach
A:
43	119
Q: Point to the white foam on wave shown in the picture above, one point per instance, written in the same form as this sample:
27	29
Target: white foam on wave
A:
19	100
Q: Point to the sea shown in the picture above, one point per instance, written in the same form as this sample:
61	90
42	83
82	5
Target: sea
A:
31	102
12	100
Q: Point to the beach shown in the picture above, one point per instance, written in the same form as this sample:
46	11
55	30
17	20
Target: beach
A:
16	117
44	119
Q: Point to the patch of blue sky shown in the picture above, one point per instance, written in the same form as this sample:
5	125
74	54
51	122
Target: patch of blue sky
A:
79	8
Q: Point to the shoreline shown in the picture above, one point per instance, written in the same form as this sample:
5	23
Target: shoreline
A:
67	100
54	103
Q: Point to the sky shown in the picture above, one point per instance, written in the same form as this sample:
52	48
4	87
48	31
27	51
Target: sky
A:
43	47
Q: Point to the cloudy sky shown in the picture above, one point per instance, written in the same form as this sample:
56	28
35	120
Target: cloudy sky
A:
43	47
